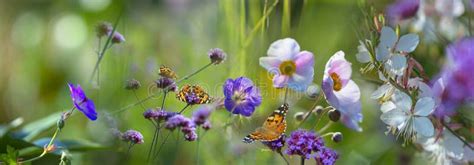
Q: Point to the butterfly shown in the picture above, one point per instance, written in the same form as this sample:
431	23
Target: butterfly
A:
167	72
273	128
193	94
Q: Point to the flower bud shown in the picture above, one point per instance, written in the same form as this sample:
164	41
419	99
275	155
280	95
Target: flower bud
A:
337	137
216	55
132	84
60	123
312	91
334	115
103	29
299	116
166	83
318	110
117	38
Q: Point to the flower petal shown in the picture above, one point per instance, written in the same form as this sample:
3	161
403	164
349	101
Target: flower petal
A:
387	106
394	117
270	63
300	82
304	60
88	109
339	65
382	53
388	37
402	101
424	106
351	117
279	81
284	49
381	91
348	95
423	126
363	54
408	43
396	64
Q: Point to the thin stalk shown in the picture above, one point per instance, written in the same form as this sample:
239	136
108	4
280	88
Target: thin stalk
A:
259	24
455	134
308	114
106	46
286	18
282	156
129	149
161	145
325	127
45	151
164	98
153	142
302	161
182	110
197	148
138	99
322	114
286	95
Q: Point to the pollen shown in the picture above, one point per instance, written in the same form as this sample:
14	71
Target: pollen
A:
337	82
287	67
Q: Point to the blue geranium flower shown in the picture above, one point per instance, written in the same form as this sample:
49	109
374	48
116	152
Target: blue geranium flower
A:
81	102
241	96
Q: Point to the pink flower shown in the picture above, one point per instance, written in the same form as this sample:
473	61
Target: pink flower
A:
290	66
341	92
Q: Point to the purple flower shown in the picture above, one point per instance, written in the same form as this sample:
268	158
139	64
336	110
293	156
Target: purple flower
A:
456	83
132	136
327	156
201	115
303	143
166	83
216	55
158	114
402	9
103	29
178	121
192	136
341	92
207	125
290	66
117	38
241	96
276	145
81	102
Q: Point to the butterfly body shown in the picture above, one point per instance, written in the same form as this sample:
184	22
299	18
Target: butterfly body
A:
193	94
167	72
273	127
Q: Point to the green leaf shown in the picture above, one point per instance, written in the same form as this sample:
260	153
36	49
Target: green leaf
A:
4	129
10	157
32	129
71	145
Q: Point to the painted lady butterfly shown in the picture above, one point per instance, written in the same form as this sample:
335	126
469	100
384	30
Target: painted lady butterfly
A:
167	72
193	94
273	128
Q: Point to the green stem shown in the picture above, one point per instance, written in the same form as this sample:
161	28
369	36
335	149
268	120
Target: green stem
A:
138	99
161	145
164	98
302	161
325	127
259	24
45	151
282	156
197	148
286	95
182	110
455	134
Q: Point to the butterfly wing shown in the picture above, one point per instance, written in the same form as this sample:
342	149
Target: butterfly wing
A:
272	128
181	95
204	98
167	72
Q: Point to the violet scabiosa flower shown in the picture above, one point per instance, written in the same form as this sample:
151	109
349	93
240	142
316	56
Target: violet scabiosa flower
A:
201	115
456	83
132	136
291	67
303	143
216	55
81	102
241	96
341	92
166	83
402	9
327	156
276	145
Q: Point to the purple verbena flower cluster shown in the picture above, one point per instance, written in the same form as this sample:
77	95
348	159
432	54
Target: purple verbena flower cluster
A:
132	136
308	145
187	126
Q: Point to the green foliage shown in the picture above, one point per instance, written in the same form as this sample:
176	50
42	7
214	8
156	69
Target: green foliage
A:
10	157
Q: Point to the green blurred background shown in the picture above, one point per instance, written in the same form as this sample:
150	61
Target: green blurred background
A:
46	44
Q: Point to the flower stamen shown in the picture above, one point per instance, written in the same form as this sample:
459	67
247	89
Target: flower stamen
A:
337	81
287	67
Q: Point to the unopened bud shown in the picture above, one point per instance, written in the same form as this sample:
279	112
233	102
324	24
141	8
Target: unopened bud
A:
318	110
50	148
299	116
60	123
337	137
132	84
312	91
334	115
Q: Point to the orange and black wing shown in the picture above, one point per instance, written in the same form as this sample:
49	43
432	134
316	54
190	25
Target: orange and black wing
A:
167	72
181	95
203	96
272	128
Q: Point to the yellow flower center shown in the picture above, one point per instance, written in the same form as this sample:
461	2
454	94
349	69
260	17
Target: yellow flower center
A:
337	82
287	67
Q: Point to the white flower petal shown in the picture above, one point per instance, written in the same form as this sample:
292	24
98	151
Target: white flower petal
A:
363	54
423	126
387	106
388	37
381	91
394	117
408	43
270	63
349	94
284	49
396	64
453	146
402	101
424	106
382	53
424	89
